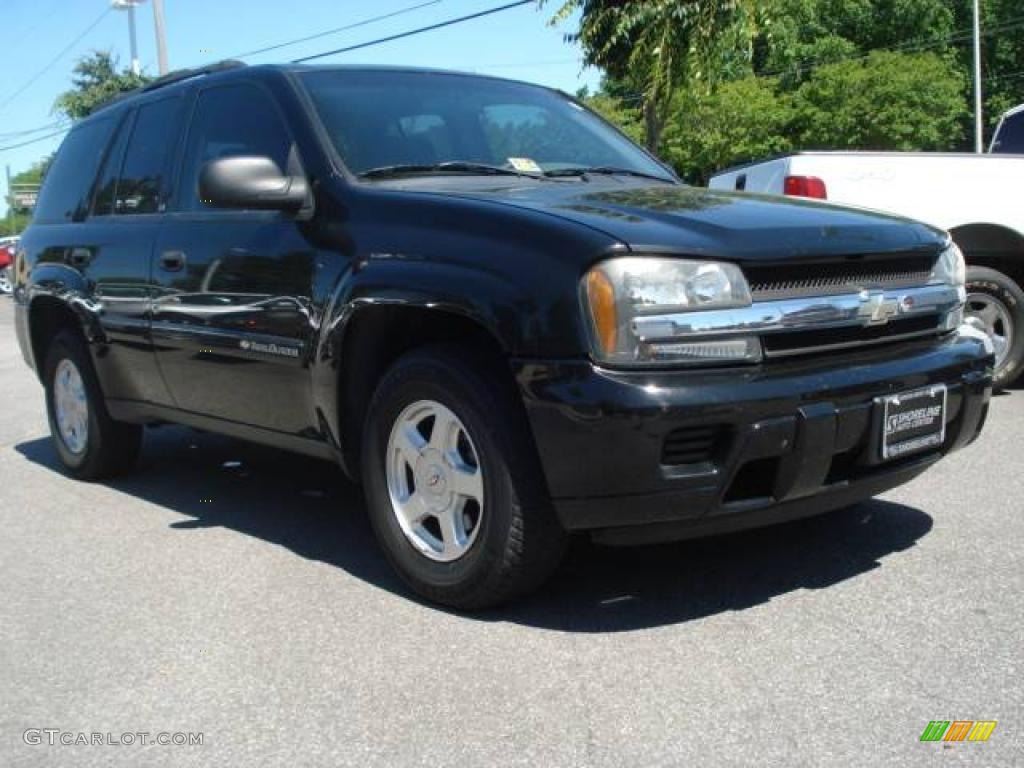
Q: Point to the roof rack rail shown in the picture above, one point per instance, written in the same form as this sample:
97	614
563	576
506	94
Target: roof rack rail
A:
184	74
173	77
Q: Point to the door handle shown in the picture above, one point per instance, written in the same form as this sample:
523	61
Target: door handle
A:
172	261
79	257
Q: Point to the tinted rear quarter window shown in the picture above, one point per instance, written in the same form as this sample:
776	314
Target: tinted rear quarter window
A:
65	193
106	187
141	183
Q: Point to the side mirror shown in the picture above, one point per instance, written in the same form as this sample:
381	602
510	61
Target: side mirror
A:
251	182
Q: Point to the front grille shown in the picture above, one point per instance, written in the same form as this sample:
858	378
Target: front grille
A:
693	445
803	342
770	282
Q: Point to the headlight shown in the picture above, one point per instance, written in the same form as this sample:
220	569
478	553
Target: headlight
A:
618	291
950	267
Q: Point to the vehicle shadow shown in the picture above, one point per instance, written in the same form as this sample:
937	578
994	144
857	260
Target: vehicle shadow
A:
308	507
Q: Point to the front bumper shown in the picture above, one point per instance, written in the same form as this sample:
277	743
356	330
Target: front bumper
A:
777	442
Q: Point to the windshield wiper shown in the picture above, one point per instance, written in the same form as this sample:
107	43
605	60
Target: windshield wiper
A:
605	170
456	166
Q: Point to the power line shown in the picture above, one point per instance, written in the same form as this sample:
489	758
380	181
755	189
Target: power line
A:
54	60
325	33
35	141
412	32
30	131
26	31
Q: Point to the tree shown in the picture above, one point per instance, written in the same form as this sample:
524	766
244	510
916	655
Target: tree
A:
1002	51
659	45
35	173
96	81
619	113
741	121
885	101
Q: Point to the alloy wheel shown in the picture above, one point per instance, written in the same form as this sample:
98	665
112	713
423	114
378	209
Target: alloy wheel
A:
71	406
994	318
435	481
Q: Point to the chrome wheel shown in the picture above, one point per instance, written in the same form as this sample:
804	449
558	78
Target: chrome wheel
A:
989	314
435	481
6	284
71	406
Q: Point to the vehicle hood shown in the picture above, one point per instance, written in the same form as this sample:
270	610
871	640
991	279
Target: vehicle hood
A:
663	218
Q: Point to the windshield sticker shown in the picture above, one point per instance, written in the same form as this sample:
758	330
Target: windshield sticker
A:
525	164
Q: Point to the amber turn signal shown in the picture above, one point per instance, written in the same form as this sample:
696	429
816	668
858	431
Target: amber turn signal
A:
601	299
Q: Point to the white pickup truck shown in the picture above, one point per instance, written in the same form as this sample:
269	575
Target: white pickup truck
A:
977	198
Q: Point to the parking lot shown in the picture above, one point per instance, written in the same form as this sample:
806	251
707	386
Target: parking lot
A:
236	591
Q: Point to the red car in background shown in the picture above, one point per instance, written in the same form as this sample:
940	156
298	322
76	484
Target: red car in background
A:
7	246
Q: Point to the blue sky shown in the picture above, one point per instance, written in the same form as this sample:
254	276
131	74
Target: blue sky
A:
517	43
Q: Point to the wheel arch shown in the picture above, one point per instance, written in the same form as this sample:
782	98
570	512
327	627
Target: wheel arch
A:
48	316
376	334
995	246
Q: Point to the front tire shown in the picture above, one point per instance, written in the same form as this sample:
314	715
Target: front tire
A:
89	443
452	483
995	304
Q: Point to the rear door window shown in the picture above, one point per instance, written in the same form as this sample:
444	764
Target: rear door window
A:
141	185
65	193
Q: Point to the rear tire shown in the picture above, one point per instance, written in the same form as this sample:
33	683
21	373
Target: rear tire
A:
89	443
502	547
996	302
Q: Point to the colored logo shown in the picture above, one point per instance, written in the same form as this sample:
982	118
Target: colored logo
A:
958	730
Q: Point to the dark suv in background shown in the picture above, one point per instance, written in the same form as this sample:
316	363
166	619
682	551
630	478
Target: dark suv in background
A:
484	301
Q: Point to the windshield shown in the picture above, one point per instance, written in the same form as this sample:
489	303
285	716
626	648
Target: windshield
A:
380	119
1010	139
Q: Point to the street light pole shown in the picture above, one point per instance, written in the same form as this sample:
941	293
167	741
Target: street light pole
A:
134	44
979	126
129	5
161	35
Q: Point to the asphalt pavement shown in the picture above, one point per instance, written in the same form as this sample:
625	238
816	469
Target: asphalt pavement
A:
235	592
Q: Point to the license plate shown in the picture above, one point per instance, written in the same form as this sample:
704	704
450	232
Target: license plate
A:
913	421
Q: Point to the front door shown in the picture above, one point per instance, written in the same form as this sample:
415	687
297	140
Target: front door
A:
231	315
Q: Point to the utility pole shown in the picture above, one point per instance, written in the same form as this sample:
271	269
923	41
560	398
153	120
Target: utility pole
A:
10	202
979	125
161	35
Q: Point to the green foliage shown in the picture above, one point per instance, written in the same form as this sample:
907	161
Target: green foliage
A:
96	80
13	225
1002	51
886	101
628	120
35	173
741	121
843	74
661	45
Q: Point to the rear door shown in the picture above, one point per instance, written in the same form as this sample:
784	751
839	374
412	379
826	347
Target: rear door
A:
97	216
231	321
127	212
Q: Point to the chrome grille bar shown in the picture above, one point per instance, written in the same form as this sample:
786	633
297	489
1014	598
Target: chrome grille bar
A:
863	308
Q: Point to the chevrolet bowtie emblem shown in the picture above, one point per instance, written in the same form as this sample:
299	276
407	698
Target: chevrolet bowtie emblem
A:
876	309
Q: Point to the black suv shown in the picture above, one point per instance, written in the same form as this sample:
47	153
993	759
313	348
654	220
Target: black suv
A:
484	301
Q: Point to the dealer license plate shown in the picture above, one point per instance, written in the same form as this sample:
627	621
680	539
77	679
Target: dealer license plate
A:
913	421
